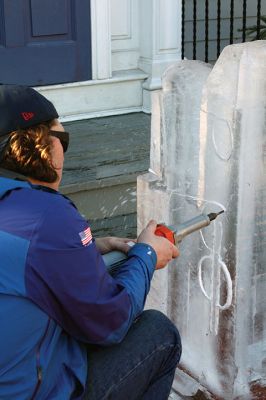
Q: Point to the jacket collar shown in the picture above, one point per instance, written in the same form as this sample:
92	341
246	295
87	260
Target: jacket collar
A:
10	181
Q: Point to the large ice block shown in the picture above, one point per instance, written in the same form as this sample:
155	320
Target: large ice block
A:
208	154
174	138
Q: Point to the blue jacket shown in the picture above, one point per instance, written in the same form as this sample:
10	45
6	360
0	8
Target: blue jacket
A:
55	294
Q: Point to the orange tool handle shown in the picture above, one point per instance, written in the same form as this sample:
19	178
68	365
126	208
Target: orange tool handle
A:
164	231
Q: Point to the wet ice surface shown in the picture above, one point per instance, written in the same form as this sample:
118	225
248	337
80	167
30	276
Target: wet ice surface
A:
211	155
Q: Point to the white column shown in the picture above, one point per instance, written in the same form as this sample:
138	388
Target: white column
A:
160	41
101	39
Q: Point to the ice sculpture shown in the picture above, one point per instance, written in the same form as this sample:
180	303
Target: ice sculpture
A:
208	152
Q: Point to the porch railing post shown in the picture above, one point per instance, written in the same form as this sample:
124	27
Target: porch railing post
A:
183	30
218	28
232	21
258	18
206	30
194	29
244	21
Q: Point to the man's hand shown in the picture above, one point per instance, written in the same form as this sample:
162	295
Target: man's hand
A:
110	243
164	249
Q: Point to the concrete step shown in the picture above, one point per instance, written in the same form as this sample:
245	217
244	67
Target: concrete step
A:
105	157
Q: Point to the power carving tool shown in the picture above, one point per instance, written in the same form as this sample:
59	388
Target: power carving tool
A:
175	234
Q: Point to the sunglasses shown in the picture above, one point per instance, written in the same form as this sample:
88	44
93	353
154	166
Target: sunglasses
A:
63	137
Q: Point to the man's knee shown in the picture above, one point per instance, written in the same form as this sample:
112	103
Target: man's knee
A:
160	324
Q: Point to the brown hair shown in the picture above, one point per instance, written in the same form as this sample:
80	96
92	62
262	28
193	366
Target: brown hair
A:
29	153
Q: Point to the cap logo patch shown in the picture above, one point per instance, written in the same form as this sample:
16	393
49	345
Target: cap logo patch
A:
27	115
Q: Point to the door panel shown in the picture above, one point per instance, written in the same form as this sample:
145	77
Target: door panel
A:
44	42
43	12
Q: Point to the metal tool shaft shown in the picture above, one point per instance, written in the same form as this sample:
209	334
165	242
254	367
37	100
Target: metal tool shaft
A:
193	225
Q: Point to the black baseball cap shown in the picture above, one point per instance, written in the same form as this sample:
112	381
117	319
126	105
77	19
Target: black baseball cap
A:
22	107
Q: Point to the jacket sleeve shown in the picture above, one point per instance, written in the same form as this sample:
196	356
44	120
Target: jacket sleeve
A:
66	277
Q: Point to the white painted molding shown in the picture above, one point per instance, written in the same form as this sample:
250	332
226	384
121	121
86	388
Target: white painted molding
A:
125	23
121	94
121	24
101	39
160	38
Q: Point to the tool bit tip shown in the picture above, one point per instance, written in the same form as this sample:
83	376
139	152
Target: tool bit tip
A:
220	212
213	216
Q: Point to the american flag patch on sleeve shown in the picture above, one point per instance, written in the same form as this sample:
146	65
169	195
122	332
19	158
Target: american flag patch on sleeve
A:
85	236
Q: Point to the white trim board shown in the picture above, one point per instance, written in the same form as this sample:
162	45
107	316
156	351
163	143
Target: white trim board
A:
120	94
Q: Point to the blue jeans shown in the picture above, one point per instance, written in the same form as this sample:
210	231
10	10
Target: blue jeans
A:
142	366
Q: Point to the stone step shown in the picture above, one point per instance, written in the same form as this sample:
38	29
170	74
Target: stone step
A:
120	94
121	226
105	157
